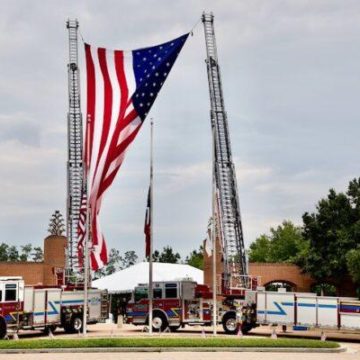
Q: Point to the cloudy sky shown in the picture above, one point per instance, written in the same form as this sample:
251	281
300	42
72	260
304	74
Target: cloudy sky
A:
291	78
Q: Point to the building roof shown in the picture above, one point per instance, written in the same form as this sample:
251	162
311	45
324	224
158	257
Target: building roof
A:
124	281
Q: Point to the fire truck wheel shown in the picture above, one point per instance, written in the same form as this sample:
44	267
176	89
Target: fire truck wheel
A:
159	322
3	328
77	323
229	323
174	328
67	328
48	329
246	327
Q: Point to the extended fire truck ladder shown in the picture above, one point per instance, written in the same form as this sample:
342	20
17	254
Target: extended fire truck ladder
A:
75	159
229	227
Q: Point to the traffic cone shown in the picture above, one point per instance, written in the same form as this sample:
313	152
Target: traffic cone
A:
273	334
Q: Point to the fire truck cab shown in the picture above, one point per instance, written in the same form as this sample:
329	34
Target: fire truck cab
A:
180	303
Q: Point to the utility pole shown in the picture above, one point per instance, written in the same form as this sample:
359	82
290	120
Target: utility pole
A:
75	143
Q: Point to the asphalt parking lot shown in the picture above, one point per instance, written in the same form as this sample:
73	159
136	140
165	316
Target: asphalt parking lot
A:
351	341
113	330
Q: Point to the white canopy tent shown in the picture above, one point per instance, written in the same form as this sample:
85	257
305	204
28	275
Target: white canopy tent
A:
124	281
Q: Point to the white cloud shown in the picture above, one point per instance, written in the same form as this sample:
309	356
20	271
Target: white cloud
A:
290	77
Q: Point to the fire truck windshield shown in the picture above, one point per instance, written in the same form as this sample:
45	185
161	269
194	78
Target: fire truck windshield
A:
10	292
140	293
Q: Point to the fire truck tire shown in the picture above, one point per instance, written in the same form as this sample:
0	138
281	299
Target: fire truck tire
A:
160	321
3	328
48	329
229	323
246	327
67	328
76	324
174	328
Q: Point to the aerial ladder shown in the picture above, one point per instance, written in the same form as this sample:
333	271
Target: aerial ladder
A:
228	219
75	158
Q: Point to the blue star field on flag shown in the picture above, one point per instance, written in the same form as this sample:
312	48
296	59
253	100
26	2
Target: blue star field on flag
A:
151	67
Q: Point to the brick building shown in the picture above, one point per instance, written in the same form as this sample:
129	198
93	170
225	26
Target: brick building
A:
40	273
276	273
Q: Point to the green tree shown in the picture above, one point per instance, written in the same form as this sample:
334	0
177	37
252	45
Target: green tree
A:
25	252
114	262
196	258
286	242
155	256
353	264
166	256
4	252
37	254
332	231
130	258
283	244
99	273
260	249
13	253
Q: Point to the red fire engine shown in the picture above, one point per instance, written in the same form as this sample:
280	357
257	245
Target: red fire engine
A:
180	303
39	307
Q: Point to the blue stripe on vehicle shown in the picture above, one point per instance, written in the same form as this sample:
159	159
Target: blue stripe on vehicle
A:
322	306
282	312
137	313
350	307
287	303
70	302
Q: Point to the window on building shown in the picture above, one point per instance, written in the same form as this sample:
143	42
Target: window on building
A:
10	292
171	291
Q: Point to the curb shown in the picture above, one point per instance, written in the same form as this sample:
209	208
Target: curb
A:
172	349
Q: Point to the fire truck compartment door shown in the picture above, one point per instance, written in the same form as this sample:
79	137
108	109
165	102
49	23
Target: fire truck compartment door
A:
193	310
28	299
275	307
188	290
94	304
53	305
327	311
307	310
350	314
39	306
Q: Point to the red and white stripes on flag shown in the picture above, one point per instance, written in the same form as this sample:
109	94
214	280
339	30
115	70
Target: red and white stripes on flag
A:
121	88
112	126
81	230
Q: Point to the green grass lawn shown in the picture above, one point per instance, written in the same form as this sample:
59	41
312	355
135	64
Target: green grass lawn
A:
165	342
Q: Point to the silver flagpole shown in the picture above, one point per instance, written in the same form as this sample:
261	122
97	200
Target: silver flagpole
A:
213	235
151	230
87	237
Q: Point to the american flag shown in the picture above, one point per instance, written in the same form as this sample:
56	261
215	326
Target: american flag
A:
121	89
